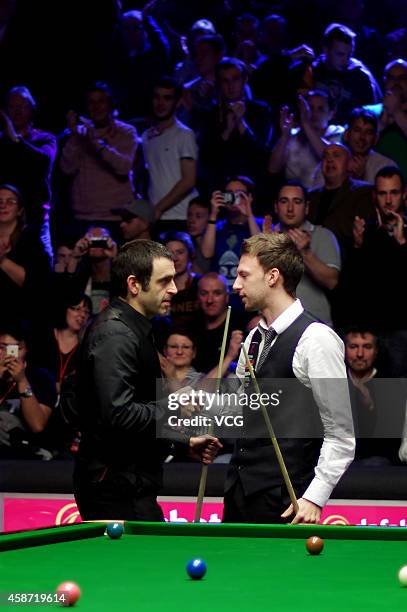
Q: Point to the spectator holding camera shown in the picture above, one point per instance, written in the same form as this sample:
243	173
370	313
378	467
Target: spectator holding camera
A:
27	398
24	265
223	238
99	156
88	269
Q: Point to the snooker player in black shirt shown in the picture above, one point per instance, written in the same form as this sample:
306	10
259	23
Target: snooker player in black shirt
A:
119	467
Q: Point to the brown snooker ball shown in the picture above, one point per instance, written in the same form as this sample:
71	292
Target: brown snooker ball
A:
314	545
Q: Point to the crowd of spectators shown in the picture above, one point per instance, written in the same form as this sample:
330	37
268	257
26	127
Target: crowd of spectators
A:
198	125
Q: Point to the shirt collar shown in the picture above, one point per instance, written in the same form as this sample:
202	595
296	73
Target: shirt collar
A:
284	320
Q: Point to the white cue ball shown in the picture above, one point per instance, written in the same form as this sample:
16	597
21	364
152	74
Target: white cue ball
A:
403	575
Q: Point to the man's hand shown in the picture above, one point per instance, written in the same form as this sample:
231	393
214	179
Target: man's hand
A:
268	227
81	248
357	166
286	121
235	343
9	130
398	228
403	451
245	203
216	203
358	230
204	448
305	111
308	512
111	250
301	239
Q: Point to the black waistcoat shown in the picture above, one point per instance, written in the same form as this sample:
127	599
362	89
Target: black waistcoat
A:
295	420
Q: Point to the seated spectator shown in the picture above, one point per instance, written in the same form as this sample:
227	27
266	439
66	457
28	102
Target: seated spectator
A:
380	252
346	79
99	156
318	246
197	222
213	296
170	152
370	401
184	304
137	219
199	93
27	398
235	134
27	157
341	198
223	238
88	270
140	57
299	149
59	353
392	114
25	268
179	355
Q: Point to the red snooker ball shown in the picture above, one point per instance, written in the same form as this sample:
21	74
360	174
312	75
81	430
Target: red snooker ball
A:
68	593
314	545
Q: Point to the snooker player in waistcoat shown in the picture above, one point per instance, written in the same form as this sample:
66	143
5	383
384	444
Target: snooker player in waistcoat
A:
301	361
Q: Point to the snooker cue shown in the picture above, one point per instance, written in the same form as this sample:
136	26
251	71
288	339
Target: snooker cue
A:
273	438
204	469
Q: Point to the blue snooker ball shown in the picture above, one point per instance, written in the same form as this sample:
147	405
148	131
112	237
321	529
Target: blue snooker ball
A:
114	530
196	569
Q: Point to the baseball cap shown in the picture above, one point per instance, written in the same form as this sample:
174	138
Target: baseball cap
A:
136	208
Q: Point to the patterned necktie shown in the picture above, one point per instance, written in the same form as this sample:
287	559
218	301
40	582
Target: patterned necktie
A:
269	337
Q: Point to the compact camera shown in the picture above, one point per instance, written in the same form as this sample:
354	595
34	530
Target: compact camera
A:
96	242
230	198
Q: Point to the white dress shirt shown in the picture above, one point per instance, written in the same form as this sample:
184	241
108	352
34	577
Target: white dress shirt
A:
319	355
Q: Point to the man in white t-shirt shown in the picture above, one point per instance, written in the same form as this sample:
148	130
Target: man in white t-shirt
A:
170	152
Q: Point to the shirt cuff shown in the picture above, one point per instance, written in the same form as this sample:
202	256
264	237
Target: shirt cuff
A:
318	492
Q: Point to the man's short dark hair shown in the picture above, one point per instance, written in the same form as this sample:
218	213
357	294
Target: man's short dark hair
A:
183	237
168	82
337	32
389	172
136	258
226	63
200	201
293	183
366	115
103	87
360	330
277	251
245	180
